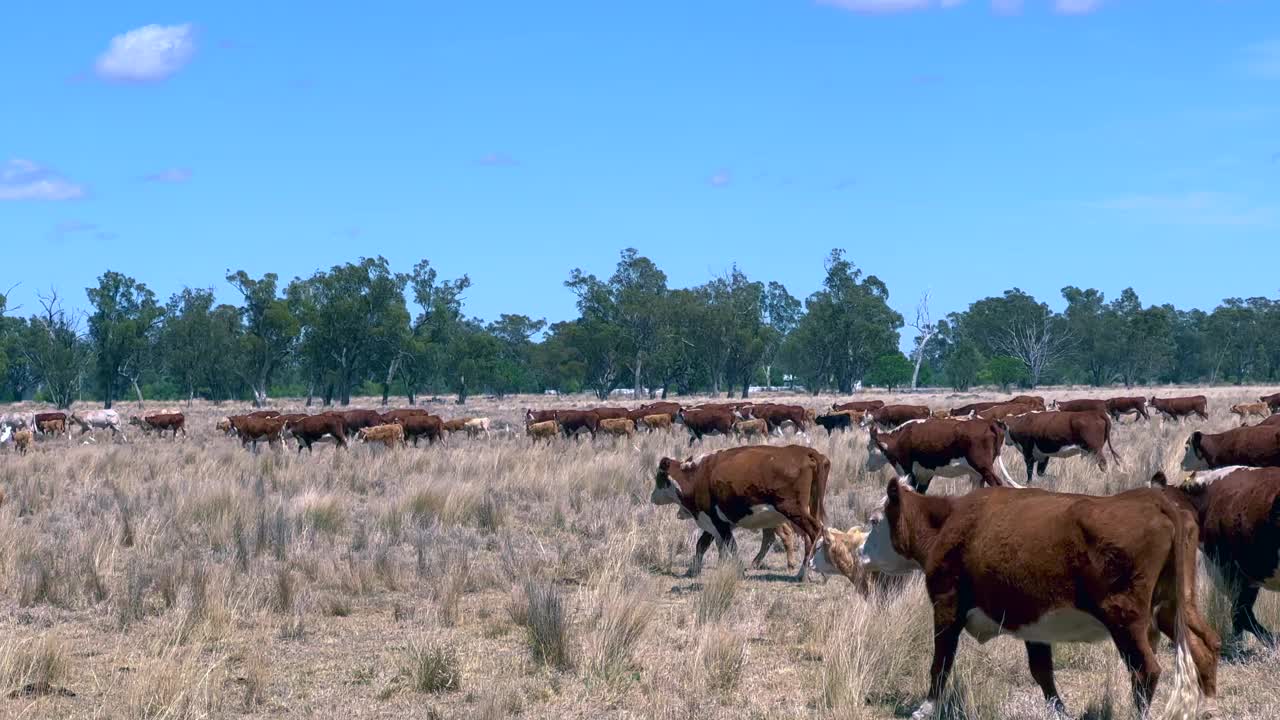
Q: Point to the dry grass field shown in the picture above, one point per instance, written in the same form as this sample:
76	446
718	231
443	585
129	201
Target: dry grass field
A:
486	579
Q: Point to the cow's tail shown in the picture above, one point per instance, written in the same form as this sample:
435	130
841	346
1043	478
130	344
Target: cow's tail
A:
1184	697
1000	431
818	491
1111	447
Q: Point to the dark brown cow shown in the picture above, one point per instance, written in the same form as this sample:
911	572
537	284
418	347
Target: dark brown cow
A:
756	487
1042	436
417	426
355	420
920	449
975	408
1273	420
1238	511
775	415
1256	446
572	421
1082	405
1181	407
1049	568
252	429
703	422
392	415
1033	400
891	416
1118	406
1272	401
262	414
670	409
309	430
176	422
857	406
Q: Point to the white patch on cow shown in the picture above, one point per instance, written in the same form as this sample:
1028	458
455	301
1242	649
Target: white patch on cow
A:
958	467
909	422
1055	626
878	554
1004	473
1066	451
704	522
1191	461
1205	478
762	516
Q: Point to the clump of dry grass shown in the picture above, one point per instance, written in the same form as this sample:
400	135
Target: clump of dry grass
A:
180	684
618	625
542	610
718	592
431	666
34	666
721	656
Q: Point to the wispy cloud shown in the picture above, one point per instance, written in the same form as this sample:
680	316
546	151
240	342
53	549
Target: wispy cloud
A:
147	54
720	178
1076	7
877	6
497	159
1191	208
1263	59
25	180
169	175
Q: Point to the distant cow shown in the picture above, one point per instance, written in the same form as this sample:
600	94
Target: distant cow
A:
1033	400
1272	401
354	420
392	416
975	408
23	440
1238	511
546	430
419	426
654	422
835	421
1249	409
703	422
754	487
1181	407
775	415
52	426
455	425
618	427
252	429
857	406
537	416
572	421
751	428
1118	406
1006	410
921	449
309	430
263	414
475	426
391	435
610	413
41	418
891	416
98	420
1082	405
175	422
669	409
1046	435
1257	446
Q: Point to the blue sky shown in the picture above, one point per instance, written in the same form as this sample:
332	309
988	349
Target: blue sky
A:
961	147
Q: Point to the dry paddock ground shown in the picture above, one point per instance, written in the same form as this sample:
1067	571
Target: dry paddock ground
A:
485	579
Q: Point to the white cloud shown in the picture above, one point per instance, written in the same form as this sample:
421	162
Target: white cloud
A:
1191	208
1076	7
24	180
170	175
149	53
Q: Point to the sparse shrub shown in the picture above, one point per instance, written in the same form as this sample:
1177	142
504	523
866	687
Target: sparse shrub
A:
618	626
718	592
432	667
722	654
546	621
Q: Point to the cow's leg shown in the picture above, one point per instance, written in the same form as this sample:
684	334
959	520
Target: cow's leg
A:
1028	458
1202	641
946	637
1040	660
704	542
809	528
1242	618
767	536
1144	669
1042	467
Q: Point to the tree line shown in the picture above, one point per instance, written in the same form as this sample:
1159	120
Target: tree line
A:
364	328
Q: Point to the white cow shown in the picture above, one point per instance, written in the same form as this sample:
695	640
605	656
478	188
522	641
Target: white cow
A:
98	420
17	420
6	432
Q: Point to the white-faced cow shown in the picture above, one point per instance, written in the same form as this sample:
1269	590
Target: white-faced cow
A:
1043	436
755	487
1051	568
1255	446
97	420
921	449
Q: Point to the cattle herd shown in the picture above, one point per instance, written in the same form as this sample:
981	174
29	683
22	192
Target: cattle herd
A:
1122	567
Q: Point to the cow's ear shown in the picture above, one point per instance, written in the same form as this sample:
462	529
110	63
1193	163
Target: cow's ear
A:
1159	479
891	492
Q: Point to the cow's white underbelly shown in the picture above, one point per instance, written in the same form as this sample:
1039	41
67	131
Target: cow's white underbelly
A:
1055	626
761	517
1064	452
959	467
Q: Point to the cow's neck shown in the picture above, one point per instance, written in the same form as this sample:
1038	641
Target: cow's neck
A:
928	516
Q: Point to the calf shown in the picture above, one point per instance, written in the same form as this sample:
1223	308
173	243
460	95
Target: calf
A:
391	435
703	422
670	409
891	416
309	430
1249	409
1118	406
751	428
455	425
1115	567
475	426
175	422
419	426
1181	407
1257	446
654	422
1238	513
52	427
754	487
839	553
23	440
857	406
618	427
834	421
54	419
1041	436
546	430
920	449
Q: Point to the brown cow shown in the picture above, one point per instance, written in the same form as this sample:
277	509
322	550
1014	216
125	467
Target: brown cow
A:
1181	407
775	415
455	425
891	416
1257	446
611	413
1118	406
417	426
751	428
1083	405
618	427
1238	511
537	416
176	422
857	406
52	426
391	416
23	440
1272	401
252	429
546	430
670	409
1059	434
262	414
1009	409
703	422
975	408
655	422
1101	568
1034	400
354	420
920	449
390	435
1273	420
311	429
754	487
1249	409
572	421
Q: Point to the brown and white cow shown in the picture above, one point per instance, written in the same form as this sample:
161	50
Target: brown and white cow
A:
775	415
1247	410
755	487
610	413
98	420
41	419
670	409
1082	405
1009	409
1050	568
1118	406
52	427
392	416
1181	407
1033	400
921	449
390	435
537	416
252	429
891	416
1256	446
975	408
1238	512
1058	434
162	422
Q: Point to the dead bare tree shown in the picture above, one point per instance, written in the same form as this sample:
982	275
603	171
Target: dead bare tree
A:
927	330
1036	343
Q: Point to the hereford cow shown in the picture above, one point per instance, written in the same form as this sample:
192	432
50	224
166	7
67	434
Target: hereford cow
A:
1272	401
891	416
573	421
775	415
263	414
611	413
669	409
1181	407
392	416
252	429
42	418
1083	405
835	421
1238	511
1246	410
655	422
1257	446
537	416
750	428
1034	400
1118	406
98	420
1042	436
162	422
547	430
618	427
419	426
309	430
974	408
920	449
857	407
390	435
753	487
1116	568
1005	410
703	422
354	420
839	553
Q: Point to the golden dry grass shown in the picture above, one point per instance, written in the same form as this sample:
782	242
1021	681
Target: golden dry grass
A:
483	579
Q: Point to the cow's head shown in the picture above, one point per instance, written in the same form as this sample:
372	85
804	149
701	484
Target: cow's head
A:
667	481
135	420
885	547
1193	458
836	553
866	419
877	455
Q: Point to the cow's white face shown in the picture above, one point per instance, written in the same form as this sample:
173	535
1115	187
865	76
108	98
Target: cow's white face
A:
876	458
665	490
1191	459
877	551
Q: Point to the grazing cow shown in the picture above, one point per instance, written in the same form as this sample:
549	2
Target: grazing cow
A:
920	449
835	421
309	430
355	420
1058	434
252	429
750	428
475	426
754	487
391	416
537	416
176	422
776	415
891	416
1272	401
572	421
1181	407
1257	446
52	426
703	422
1115	567
418	426
98	420
670	409
23	440
1118	406
618	427
857	406
839	553
655	422
1248	409
1238	512
1094	406
1005	410
546	430
390	435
